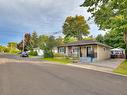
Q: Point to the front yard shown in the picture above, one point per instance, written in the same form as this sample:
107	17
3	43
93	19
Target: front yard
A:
62	60
122	68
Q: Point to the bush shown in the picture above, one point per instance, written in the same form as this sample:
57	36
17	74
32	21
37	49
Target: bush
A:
58	55
6	49
33	53
14	51
48	54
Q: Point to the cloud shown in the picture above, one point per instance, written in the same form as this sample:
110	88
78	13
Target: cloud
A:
44	16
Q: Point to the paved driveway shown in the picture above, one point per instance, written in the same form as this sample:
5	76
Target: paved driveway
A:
111	63
104	66
20	78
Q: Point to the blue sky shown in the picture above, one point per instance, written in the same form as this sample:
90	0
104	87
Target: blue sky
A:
42	16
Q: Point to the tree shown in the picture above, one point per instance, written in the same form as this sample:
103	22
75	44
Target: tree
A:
114	39
89	38
25	44
109	14
76	27
12	45
100	38
59	41
34	39
51	42
42	41
69	39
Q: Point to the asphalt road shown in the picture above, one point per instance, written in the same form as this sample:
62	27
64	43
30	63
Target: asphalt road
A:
49	79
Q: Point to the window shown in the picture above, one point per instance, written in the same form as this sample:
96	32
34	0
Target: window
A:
61	49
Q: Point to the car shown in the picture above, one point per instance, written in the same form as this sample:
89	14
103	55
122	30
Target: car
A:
24	54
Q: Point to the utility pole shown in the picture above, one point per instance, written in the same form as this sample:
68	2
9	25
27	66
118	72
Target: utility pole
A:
23	42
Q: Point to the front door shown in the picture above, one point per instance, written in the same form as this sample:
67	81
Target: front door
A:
90	51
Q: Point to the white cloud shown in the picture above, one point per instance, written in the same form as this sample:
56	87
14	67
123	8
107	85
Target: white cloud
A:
44	16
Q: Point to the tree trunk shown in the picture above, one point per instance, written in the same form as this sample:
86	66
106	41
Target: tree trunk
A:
125	40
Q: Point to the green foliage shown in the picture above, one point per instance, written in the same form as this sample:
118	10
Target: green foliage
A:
126	50
34	40
109	14
51	43
48	53
61	60
89	38
76	27
12	45
33	53
100	38
47	41
69	39
58	55
59	41
112	38
6	50
1	49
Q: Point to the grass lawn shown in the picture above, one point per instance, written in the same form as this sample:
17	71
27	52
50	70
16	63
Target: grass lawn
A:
122	69
61	60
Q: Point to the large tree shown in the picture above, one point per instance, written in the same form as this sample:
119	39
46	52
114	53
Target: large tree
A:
112	38
25	44
34	39
76	27
100	38
109	14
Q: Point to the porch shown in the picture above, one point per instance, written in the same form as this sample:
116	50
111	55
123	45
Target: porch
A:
86	53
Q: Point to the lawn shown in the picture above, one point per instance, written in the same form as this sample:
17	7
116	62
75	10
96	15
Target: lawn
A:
60	60
122	69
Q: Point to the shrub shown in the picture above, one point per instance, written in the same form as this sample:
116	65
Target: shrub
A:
14	51
48	54
33	53
5	49
58	55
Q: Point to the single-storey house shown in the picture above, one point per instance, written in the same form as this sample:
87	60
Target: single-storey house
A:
86	50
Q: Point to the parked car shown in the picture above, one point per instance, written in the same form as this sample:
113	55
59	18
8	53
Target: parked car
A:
24	54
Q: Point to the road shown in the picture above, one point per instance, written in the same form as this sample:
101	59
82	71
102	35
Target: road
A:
20	78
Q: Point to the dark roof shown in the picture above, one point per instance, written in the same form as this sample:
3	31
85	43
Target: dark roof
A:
85	42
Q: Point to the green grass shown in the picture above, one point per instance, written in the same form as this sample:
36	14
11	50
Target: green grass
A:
122	69
61	60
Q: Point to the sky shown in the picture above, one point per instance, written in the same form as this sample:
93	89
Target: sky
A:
43	16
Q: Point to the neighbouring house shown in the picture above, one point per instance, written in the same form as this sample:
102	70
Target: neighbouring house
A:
118	53
86	50
54	50
40	52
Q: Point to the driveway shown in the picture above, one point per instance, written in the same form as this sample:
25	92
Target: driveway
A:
22	78
111	63
104	66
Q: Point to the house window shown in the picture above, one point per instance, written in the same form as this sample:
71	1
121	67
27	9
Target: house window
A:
61	49
76	49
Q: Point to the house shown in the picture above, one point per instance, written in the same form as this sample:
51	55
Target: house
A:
40	52
118	53
86	50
